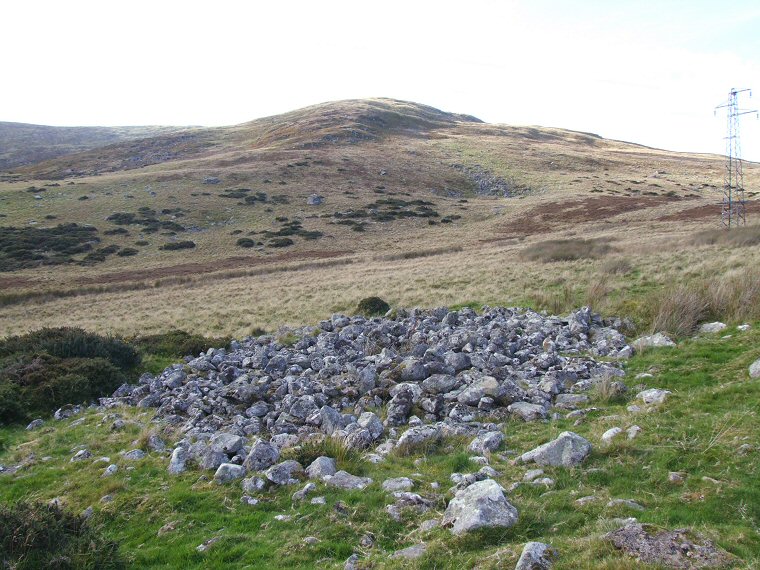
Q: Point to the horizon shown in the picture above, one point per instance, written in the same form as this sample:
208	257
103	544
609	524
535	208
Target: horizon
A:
641	72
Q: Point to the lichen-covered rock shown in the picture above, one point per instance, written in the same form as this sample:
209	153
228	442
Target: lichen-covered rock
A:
321	467
262	455
480	505
568	450
536	556
286	473
344	480
228	472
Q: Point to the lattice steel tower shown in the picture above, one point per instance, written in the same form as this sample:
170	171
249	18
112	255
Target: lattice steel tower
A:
733	212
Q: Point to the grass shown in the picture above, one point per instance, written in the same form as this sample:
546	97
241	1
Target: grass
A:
567	250
713	410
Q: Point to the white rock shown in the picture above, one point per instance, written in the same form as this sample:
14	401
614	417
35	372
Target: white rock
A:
397	484
568	450
657	340
633	432
228	472
610	434
654	396
712	328
754	369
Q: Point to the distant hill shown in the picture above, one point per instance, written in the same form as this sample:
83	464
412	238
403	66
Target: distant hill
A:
23	144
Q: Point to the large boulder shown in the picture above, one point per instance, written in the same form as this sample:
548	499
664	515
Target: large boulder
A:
568	450
262	455
480	505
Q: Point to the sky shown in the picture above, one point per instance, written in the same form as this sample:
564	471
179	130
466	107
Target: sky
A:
649	72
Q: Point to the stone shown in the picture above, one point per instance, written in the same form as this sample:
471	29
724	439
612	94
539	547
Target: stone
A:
134	455
657	340
676	478
625	503
532	474
322	466
372	424
486	442
110	470
261	456
253	485
300	495
285	473
481	505
226	443
486	386
410	552
754	369
311	540
315	200
611	434
712	328
633	432
536	556
207	544
526	411
397	484
419	435
344	480
81	455
352	562
669	549
654	396
177	463
318	501
35	424
228	472
570	401
568	450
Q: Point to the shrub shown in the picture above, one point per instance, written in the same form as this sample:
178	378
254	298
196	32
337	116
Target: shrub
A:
35	535
31	247
280	242
245	242
177	343
175	245
71	342
566	250
371	306
39	384
128	252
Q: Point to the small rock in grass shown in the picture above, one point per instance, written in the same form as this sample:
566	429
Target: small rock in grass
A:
283	518
81	455
654	396
568	450
207	544
318	501
167	528
35	424
344	480
410	552
311	540
248	500
428	525
300	495
536	556
134	455
532	474
712	328
110	470
633	432
586	500
610	434
397	484
625	503
352	562
754	369
178	461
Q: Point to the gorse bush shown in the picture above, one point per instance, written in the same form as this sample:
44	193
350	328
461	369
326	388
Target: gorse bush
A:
35	536
177	343
36	385
51	367
372	306
70	342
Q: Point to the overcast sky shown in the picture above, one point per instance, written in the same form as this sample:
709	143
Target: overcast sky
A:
646	72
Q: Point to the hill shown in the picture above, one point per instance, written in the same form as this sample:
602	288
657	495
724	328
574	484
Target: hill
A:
359	195
24	144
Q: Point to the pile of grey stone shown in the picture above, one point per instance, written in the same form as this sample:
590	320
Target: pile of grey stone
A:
426	373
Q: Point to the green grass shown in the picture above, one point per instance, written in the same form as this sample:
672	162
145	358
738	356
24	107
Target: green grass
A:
712	411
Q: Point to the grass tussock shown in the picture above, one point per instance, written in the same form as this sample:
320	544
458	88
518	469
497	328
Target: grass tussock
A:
732	298
617	266
346	458
567	250
745	236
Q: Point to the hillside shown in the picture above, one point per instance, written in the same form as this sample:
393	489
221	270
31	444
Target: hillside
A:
373	196
23	144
